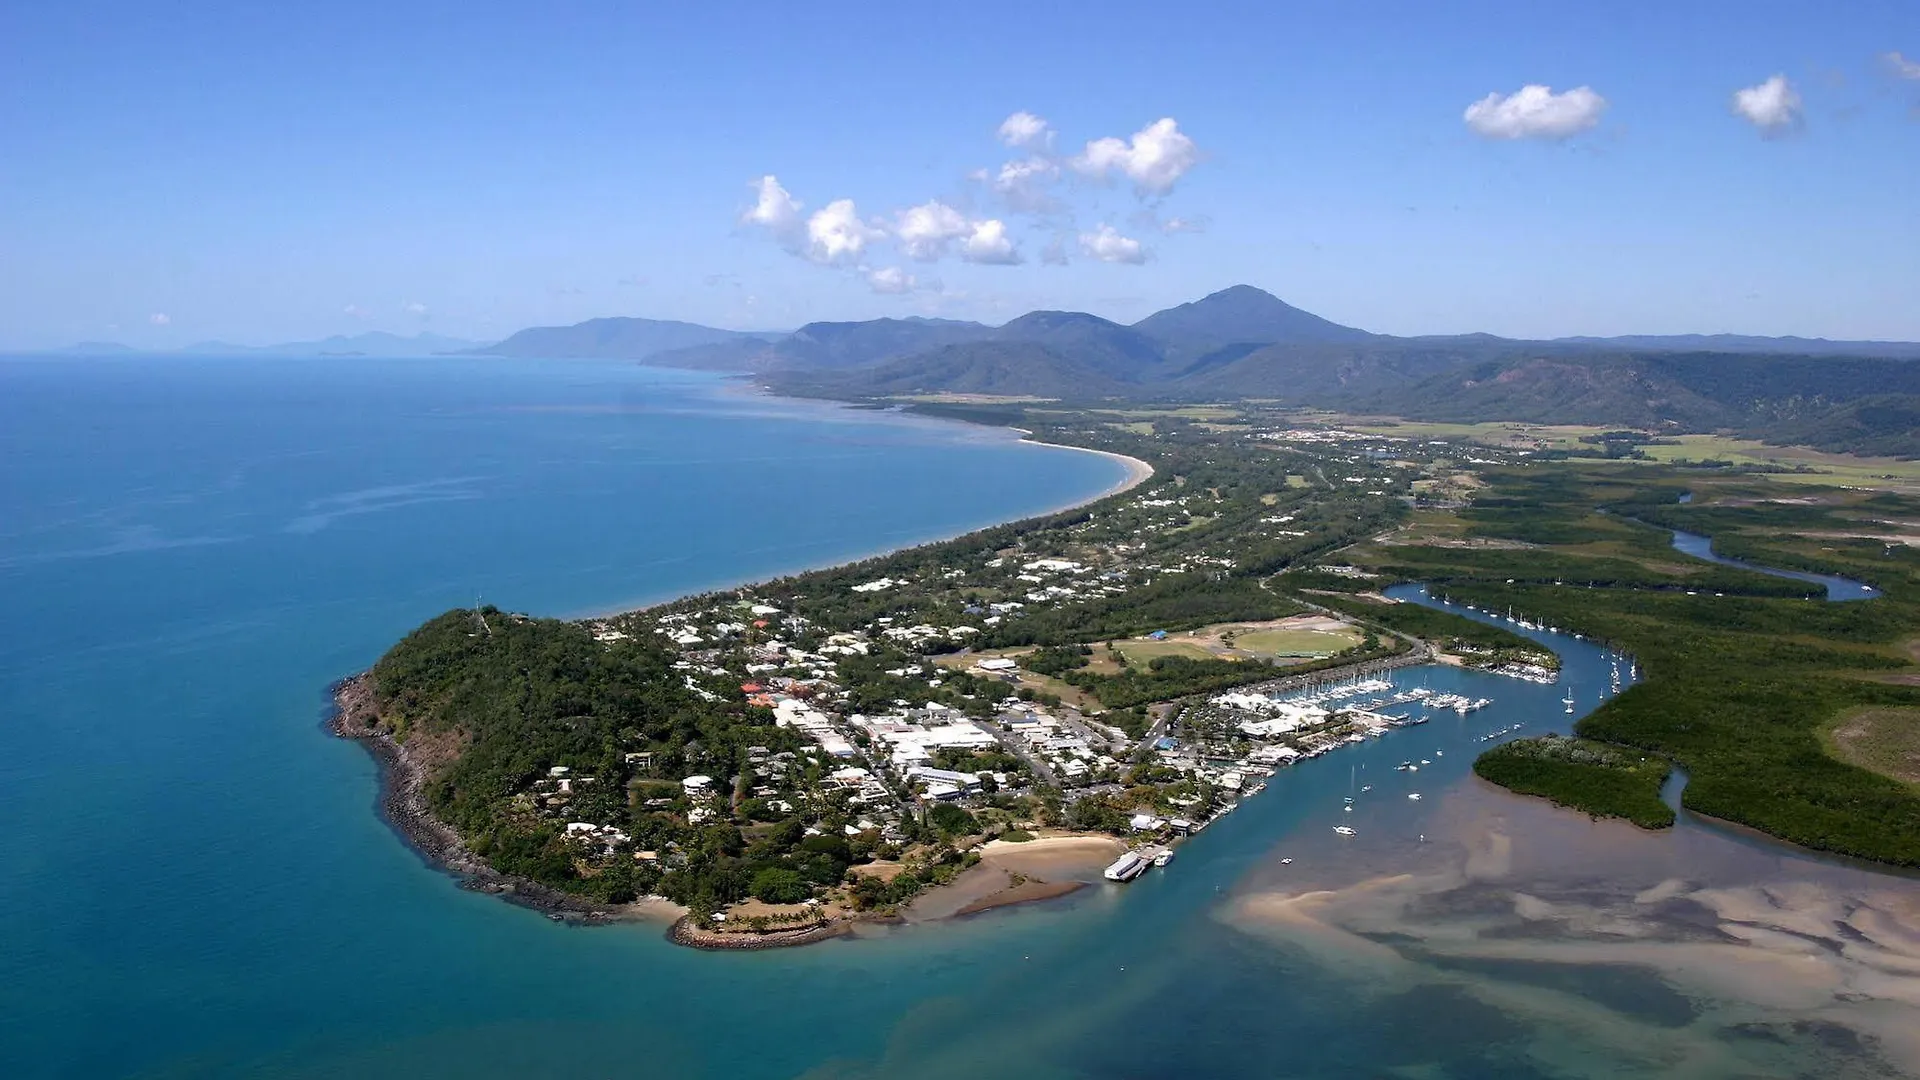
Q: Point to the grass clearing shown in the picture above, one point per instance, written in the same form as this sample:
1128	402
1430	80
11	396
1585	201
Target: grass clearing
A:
1142	652
1881	740
1295	642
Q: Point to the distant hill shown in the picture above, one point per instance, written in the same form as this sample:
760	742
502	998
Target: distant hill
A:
1117	352
1012	368
614	339
96	348
831	345
1746	343
1240	315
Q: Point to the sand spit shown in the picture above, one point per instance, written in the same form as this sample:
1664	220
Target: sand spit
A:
1751	961
1044	868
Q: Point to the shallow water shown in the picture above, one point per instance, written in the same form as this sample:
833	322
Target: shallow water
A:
193	881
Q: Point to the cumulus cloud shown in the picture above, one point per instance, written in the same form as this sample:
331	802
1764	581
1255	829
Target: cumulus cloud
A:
924	231
775	210
837	237
1536	112
890	280
160	318
1773	106
1155	158
987	243
1108	245
1902	67
1023	129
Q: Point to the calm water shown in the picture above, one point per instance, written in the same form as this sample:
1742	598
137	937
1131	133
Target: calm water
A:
1838	588
193	881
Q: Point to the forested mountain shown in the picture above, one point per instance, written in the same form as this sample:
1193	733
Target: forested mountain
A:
1241	315
1242	343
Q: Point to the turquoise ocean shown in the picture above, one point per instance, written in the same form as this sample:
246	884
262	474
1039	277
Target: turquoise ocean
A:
194	880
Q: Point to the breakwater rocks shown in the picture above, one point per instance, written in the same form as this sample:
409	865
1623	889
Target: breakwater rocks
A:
684	932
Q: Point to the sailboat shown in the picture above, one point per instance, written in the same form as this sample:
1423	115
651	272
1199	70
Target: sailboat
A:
1350	778
1568	700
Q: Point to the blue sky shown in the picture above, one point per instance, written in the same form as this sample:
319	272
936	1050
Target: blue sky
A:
263	172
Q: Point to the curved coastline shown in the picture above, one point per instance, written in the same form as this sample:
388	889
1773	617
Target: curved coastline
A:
1138	472
402	803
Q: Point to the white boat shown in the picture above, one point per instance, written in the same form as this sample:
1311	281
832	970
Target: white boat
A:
1286	862
1414	795
1163	858
1343	830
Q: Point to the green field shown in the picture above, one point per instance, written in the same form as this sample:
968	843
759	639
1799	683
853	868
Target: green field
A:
1294	642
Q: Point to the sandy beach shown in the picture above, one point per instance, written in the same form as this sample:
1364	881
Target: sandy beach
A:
1138	472
1039	869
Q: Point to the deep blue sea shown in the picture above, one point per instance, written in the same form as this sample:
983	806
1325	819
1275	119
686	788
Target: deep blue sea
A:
194	881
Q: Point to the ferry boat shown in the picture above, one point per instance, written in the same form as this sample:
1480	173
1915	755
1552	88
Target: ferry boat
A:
1126	867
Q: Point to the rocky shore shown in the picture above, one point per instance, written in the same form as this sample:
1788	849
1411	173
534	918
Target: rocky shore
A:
403	805
405	766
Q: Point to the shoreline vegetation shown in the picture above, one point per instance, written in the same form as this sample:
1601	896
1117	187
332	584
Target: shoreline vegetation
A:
866	742
405	771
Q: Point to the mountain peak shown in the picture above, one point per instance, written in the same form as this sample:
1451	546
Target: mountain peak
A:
1242	314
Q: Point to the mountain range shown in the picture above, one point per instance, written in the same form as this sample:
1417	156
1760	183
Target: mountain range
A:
1242	343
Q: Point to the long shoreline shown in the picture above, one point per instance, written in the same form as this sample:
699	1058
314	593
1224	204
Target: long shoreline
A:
402	801
1138	472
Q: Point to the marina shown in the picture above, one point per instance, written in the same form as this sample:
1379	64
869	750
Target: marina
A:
1281	733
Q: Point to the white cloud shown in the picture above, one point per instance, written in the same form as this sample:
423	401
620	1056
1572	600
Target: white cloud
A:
1902	67
833	235
415	307
1155	158
1773	106
776	211
1023	184
837	237
1107	245
1536	112
924	231
890	280
1025	129
355	311
989	243
160	318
